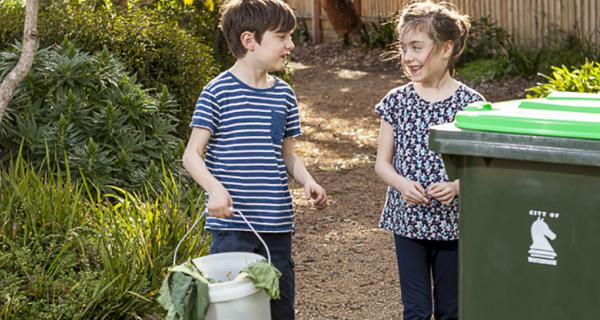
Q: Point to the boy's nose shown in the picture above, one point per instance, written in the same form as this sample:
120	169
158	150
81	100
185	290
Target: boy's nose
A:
290	45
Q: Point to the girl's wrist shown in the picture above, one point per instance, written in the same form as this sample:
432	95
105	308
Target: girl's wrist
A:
456	186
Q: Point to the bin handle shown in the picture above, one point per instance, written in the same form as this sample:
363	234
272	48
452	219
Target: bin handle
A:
202	216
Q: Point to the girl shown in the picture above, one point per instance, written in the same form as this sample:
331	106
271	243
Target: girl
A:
421	207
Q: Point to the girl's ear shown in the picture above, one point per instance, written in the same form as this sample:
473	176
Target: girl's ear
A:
248	41
447	49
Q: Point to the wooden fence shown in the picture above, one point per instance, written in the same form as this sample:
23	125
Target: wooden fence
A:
527	20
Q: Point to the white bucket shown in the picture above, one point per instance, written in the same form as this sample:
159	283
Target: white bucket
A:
233	300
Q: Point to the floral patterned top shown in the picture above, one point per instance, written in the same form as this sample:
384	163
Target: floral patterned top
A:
411	117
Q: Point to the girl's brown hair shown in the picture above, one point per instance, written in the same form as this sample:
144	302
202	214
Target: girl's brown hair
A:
441	21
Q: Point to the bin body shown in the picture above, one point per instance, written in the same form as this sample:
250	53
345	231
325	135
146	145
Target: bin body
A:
529	222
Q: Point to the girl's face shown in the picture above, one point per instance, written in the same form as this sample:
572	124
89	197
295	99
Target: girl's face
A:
422	60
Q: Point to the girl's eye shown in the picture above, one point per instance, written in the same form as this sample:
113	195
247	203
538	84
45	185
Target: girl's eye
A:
417	49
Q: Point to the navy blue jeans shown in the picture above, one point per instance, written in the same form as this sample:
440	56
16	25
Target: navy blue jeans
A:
280	247
420	262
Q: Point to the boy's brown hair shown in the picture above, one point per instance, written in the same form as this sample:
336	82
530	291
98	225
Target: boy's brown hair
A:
256	16
441	21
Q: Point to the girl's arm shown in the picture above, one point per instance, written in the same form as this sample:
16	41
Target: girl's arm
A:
220	202
412	192
297	170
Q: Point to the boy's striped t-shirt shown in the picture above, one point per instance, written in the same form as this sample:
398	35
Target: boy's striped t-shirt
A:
248	126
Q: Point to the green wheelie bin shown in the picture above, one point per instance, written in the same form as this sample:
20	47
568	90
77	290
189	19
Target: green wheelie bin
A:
529	175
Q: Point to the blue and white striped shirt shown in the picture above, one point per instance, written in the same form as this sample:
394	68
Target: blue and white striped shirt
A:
248	126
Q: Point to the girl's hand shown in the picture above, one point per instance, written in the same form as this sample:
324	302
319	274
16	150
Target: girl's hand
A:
313	190
444	192
413	193
220	204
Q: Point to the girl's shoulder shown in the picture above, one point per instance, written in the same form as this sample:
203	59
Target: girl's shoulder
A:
468	94
402	92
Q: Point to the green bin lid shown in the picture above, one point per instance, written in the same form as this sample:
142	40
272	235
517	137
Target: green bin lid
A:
561	114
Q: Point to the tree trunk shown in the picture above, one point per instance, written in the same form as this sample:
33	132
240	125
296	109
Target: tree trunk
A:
30	40
342	16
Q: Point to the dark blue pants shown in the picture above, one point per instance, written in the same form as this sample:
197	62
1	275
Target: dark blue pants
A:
420	262
280	247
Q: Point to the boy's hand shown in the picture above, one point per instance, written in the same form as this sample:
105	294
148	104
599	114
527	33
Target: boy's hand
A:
313	190
220	204
444	192
413	193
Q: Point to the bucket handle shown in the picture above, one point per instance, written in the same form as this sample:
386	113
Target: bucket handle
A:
200	218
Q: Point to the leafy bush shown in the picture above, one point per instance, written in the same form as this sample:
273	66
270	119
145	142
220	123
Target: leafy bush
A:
486	40
152	46
380	34
482	69
90	114
585	78
69	253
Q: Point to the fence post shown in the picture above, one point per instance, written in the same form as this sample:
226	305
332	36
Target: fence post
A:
358	7
316	22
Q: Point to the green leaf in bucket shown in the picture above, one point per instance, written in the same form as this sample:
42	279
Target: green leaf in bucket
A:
184	293
264	275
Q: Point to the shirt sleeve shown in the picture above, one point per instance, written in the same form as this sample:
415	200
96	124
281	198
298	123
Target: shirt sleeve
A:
292	121
387	108
207	112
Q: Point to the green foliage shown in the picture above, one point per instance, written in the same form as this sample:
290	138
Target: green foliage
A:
69	253
201	21
151	44
302	34
380	34
585	78
482	69
88	112
486	40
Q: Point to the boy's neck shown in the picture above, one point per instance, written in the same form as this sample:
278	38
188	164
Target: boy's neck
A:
250	74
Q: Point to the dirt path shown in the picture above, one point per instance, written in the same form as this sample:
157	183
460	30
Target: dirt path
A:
345	266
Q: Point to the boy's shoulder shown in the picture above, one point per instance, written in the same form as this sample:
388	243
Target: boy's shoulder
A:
218	82
283	85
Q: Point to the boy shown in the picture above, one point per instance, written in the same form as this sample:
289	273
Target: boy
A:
247	119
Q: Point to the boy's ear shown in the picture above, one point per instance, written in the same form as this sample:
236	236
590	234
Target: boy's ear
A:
248	41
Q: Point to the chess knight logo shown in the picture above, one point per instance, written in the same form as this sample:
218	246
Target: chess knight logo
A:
541	251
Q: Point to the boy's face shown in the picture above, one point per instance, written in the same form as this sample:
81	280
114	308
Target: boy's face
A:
422	60
274	48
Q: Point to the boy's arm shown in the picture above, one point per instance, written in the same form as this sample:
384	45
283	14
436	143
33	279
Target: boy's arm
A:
297	170
220	202
411	191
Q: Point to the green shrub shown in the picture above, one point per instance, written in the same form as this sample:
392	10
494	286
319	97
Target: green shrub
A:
86	110
486	40
380	34
482	69
152	46
585	78
67	252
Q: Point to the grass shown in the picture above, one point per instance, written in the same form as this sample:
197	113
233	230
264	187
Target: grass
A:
67	252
